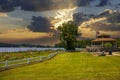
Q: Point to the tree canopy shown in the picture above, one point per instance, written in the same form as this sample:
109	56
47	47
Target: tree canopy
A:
68	35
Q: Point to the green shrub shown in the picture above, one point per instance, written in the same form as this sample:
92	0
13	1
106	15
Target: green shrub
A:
108	45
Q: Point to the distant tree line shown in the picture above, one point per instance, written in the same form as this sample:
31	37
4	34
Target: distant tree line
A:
83	44
78	44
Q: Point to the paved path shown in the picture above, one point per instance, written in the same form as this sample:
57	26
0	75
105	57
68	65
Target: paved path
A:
107	53
113	54
116	53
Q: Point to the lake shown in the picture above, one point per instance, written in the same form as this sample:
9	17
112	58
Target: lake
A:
16	49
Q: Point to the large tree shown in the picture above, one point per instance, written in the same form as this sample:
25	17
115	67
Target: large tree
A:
68	35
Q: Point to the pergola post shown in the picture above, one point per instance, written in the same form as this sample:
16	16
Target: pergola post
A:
116	44
91	44
102	44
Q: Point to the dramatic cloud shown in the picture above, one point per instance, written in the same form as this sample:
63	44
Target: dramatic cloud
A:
83	2
44	16
79	18
114	18
108	21
6	6
40	5
102	3
40	24
100	26
3	15
35	5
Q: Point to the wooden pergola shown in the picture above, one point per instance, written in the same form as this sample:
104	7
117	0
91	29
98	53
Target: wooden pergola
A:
101	39
99	44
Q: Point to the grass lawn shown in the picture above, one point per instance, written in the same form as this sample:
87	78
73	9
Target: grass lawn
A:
68	66
21	55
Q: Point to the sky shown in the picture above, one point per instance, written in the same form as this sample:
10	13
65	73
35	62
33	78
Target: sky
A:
36	21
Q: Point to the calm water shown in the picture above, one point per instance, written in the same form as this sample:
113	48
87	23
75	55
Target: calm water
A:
4	49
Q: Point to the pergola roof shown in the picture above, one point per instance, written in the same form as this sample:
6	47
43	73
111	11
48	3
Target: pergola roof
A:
103	40
103	35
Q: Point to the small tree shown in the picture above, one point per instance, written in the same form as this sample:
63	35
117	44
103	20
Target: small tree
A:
108	45
68	35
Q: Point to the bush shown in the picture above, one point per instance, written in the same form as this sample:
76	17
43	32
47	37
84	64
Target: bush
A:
108	45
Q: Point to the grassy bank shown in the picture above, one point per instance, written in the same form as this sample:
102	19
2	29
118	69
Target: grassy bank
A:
69	66
21	55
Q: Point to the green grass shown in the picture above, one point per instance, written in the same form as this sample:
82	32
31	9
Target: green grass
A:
69	66
21	55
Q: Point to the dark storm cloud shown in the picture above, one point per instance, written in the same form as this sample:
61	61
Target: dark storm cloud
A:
40	24
112	23
83	2
102	3
6	6
114	18
35	5
40	5
79	18
9	5
106	13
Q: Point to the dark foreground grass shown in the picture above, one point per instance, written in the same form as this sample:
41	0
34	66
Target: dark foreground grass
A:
21	55
68	66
